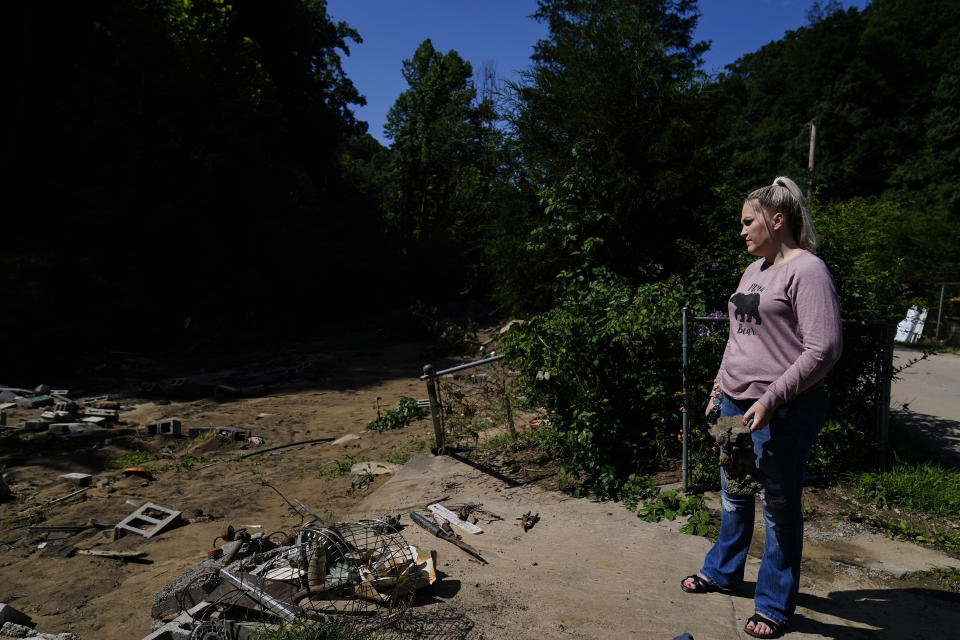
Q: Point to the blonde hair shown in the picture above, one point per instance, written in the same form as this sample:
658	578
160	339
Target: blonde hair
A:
785	196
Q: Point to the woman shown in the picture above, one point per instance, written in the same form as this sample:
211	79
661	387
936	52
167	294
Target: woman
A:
785	335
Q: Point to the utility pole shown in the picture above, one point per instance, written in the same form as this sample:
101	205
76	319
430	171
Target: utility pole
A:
813	145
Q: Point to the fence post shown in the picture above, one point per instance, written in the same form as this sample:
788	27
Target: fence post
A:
943	288
889	330
506	401
428	372
684	395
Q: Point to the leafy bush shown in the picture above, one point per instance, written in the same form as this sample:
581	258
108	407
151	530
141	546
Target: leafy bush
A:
841	447
405	413
606	365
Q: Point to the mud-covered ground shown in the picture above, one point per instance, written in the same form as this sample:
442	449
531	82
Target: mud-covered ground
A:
324	390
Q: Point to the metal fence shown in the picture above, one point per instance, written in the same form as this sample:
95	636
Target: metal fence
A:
464	404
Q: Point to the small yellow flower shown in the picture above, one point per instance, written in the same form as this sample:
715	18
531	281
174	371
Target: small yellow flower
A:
713	448
644	433
663	419
677	393
680	437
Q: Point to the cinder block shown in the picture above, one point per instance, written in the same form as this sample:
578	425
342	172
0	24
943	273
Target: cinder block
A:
94	420
234	433
168	427
36	425
67	407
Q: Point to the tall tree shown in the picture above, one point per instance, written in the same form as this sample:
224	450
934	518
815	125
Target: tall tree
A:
435	129
608	108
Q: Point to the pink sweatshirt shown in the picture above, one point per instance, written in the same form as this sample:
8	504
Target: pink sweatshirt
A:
785	332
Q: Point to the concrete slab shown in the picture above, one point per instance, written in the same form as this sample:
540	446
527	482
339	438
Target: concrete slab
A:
593	570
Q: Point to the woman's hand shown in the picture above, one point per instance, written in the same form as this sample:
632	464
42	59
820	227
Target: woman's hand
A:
706	411
760	414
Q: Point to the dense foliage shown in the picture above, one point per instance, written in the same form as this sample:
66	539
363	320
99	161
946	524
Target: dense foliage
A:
190	174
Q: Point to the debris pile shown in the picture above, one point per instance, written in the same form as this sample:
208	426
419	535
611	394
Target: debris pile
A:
354	577
59	414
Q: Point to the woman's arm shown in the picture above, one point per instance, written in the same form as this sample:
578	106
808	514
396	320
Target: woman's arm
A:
814	298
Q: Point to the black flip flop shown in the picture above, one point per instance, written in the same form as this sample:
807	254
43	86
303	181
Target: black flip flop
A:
699	585
775	629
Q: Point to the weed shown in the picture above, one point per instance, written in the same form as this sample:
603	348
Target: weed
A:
361	481
405	413
338	469
180	463
916	488
524	439
947	576
413	446
670	505
808	512
132	459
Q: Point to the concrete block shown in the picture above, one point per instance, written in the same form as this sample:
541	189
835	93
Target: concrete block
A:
78	479
147	521
9	614
94	420
65	406
169	427
181	627
7	405
48	415
93	399
36	425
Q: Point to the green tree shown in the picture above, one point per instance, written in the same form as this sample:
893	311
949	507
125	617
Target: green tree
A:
436	162
610	102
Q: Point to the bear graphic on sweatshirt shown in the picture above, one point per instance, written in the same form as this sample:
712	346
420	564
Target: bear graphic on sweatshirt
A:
748	307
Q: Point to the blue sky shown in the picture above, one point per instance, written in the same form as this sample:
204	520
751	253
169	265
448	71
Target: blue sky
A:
501	31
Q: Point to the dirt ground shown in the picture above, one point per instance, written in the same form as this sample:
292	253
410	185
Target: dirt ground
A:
324	390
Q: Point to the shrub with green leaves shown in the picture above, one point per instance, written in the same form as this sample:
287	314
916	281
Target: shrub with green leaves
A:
606	365
405	413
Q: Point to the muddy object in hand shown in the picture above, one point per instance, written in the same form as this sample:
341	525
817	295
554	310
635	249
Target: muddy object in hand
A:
737	457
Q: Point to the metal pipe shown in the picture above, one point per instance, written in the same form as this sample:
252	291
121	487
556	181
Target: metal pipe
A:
285	610
468	365
685	403
431	378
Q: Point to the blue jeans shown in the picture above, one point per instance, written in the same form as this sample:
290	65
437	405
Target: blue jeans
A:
782	448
